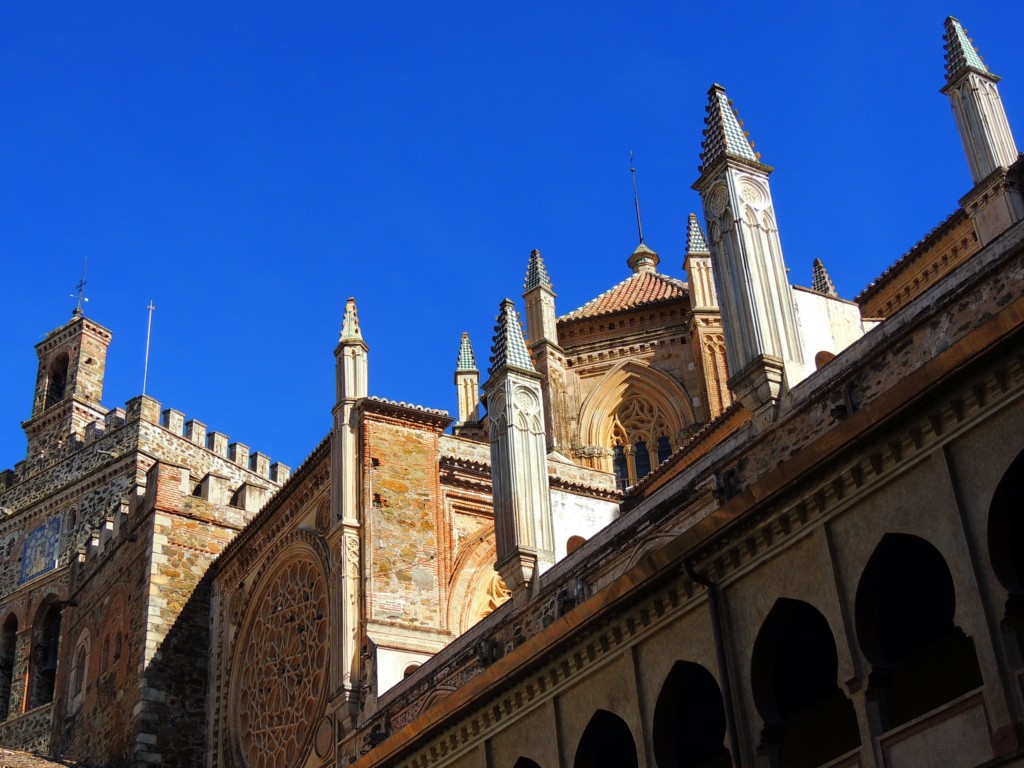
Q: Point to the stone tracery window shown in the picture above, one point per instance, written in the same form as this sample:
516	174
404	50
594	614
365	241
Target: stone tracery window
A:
640	441
281	663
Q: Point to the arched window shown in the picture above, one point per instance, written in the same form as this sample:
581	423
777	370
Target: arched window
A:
45	642
8	646
105	654
793	669
79	673
525	762
574	543
56	381
638	424
905	606
409	670
606	743
689	720
1006	548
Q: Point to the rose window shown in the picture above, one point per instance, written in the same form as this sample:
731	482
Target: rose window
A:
281	663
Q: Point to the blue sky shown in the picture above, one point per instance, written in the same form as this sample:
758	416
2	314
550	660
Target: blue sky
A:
248	166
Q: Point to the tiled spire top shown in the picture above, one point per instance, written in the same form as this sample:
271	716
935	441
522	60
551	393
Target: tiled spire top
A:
536	273
723	134
695	242
960	51
350	325
467	360
509	348
820	281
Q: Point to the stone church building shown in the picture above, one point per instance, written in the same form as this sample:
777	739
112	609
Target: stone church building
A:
724	521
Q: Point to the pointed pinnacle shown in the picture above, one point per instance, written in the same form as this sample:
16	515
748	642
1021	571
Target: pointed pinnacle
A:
350	325
722	134
509	347
467	360
820	280
536	274
695	241
961	54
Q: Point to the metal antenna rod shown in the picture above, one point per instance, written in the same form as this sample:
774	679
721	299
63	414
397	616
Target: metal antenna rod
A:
149	330
636	199
80	289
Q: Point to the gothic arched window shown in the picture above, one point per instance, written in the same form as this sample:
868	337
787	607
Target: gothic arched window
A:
640	441
56	381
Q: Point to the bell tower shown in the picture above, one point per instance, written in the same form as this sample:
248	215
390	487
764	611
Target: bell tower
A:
69	387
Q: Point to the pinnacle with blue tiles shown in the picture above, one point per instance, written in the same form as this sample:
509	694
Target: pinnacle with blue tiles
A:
723	134
820	280
695	240
350	324
509	348
467	360
961	55
536	274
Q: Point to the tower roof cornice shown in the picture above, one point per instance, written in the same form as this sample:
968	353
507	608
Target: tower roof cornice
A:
350	331
724	137
509	347
536	274
961	55
467	360
696	243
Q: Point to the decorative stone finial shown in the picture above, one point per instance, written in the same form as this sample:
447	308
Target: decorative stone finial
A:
643	259
350	325
509	348
536	273
820	280
695	241
467	360
723	134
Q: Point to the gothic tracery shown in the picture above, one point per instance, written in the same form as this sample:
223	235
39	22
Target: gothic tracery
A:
280	685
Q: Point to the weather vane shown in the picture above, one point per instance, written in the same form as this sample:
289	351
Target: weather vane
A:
636	199
80	290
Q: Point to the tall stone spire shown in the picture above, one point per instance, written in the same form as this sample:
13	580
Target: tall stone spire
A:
997	200
522	504
974	96
704	326
820	280
762	339
351	369
698	266
547	354
467	388
350	357
539	295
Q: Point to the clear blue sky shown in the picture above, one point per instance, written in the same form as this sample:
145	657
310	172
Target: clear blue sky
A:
247	166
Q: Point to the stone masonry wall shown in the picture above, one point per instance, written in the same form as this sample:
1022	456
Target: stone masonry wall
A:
404	527
110	593
187	537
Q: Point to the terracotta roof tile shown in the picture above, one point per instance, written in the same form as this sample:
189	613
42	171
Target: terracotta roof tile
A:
635	291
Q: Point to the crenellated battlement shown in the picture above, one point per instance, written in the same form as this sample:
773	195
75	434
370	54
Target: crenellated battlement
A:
145	408
169	487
